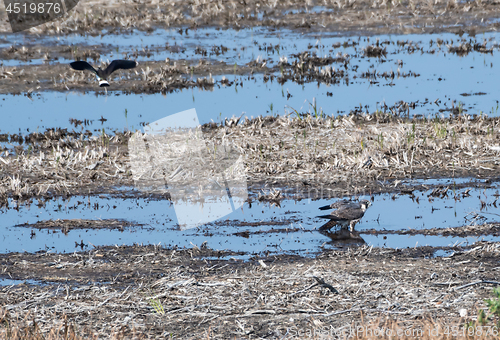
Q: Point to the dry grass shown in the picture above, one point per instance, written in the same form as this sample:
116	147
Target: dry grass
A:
383	328
12	328
357	149
344	15
366	146
263	298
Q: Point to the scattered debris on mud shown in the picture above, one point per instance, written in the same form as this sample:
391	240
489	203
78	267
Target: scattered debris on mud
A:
356	152
168	292
66	225
181	293
38	67
355	17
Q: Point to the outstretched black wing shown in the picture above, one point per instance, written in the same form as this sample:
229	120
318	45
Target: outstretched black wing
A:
119	64
81	66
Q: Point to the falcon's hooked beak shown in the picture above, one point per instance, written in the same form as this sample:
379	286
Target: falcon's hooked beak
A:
366	204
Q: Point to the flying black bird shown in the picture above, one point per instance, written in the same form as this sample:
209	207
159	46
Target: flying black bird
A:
346	213
103	75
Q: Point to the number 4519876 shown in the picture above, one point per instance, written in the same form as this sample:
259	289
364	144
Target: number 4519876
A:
33	8
471	331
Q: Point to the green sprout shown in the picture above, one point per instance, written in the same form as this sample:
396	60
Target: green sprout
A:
155	303
380	140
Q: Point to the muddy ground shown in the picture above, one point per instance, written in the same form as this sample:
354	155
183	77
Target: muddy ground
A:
153	292
365	153
116	289
204	70
360	16
213	294
50	71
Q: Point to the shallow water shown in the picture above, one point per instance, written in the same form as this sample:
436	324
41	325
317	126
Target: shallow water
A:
242	45
291	228
469	80
4	282
254	98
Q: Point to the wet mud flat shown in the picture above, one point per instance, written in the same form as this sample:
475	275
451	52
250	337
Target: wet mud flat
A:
67	183
198	292
333	156
203	62
148	291
77	182
344	16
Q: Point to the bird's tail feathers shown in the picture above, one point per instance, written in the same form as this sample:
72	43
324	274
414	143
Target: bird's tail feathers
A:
103	83
328	225
326	207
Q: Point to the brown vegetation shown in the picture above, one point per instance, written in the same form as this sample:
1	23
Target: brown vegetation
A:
340	15
157	292
362	152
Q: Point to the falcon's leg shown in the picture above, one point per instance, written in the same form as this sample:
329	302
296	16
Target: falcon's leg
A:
352	224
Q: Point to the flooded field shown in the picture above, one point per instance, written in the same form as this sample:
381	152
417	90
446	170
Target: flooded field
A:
314	103
252	73
256	229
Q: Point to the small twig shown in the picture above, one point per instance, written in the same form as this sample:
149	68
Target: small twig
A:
304	290
342	312
445	283
366	311
477	282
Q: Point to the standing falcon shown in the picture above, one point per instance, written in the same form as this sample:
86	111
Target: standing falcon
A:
346	213
103	75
